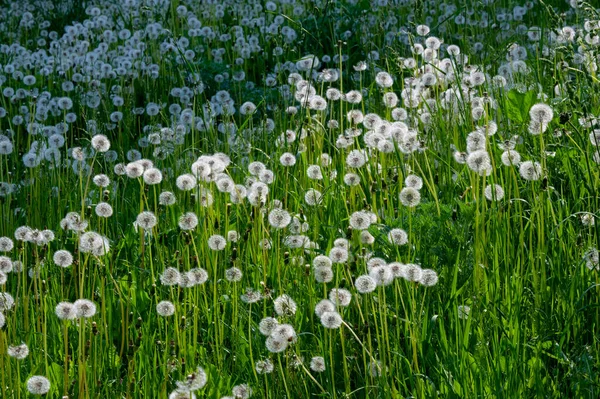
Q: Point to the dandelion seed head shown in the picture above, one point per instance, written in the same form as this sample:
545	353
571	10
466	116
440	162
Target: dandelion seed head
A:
176	394
541	113
536	128
429	278
412	272
100	143
267	176
321	261
365	284
225	184
314	172
285	305
323	274
242	391
475	142
375	368
341	243
6	147
255	168
360	66
493	193
264	366
63	258
6	264
78	154
355	116
313	197
317	364
510	158
298	226
460	157
276	345
90	241
384	79
279	218
390	99
331	320
167	198
340	296
422	30
146	220
186	182
366	238
479	161
588	219
594	137
38	385
6	244
338	255
398	237
489	129
356	159
247	108
351	179
410	197
205	198
185	281
592	258
413	181
134	169
233	274
251	296
197	276
285	332
267	325
382	275
265	243
85	308
296	241
360	220
194	381
530	170
170	276
325	305
375	262
120	169
17	266
353	97
103	209
295	361
217	242
287	159
200	170
65	311
165	308
188	221
152	176
73	222
18	352
464	311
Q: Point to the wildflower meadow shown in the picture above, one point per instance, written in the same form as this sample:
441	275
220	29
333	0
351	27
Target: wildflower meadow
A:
299	199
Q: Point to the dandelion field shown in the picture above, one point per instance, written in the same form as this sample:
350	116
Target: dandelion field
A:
357	199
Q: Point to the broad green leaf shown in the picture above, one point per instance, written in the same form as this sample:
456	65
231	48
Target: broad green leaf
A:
518	105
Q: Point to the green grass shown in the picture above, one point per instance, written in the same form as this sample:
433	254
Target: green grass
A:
514	312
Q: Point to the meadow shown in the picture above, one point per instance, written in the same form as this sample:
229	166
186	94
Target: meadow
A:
298	199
